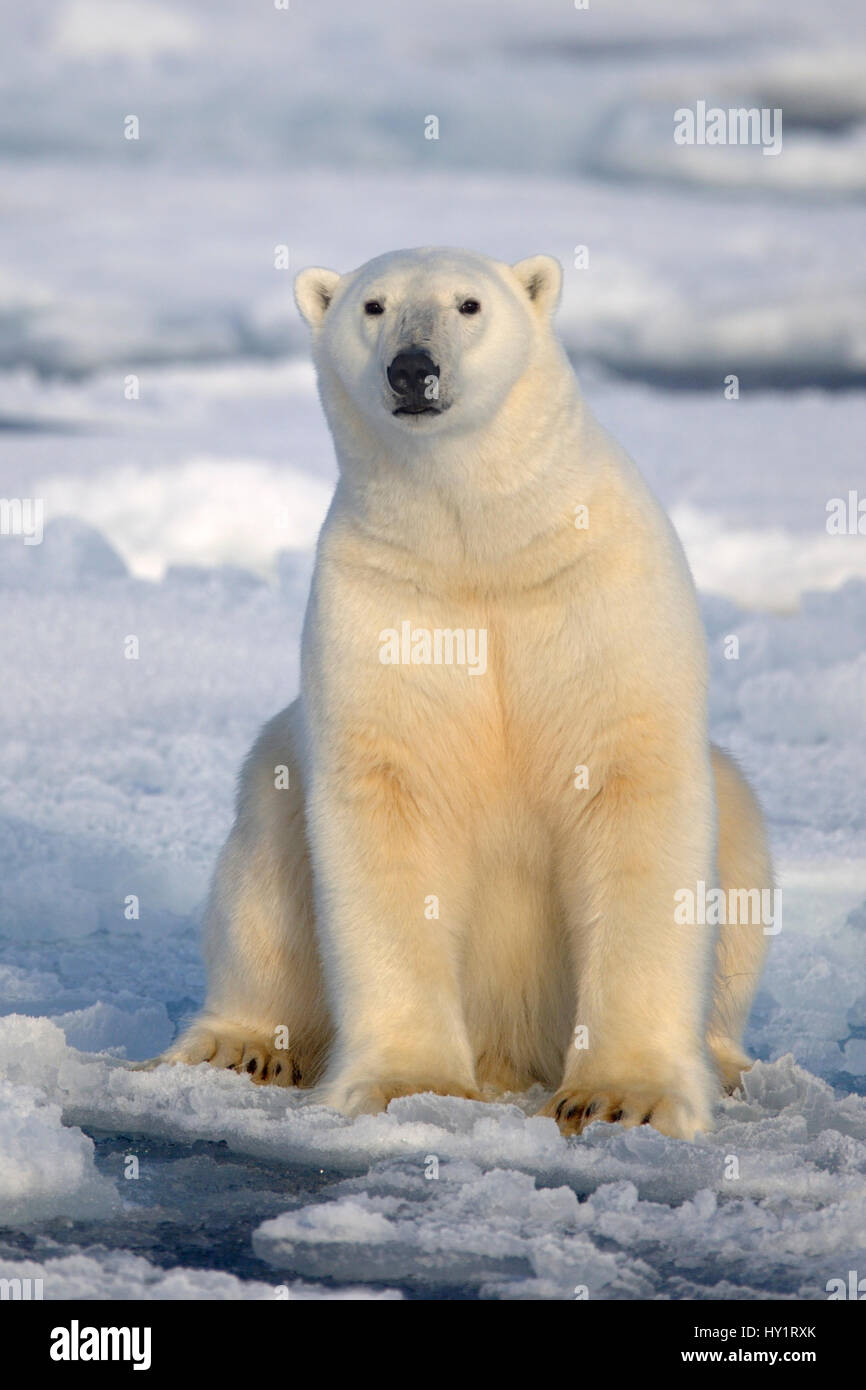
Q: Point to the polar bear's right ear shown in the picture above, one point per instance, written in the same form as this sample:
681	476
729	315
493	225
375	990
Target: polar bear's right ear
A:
541	278
314	290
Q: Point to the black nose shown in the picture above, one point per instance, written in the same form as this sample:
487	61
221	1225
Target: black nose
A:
409	375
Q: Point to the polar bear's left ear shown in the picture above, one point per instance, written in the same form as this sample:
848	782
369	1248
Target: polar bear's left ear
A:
314	290
541	278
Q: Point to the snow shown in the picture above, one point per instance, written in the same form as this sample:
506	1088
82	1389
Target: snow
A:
46	1168
678	290
446	1194
115	28
766	568
203	512
114	1274
186	515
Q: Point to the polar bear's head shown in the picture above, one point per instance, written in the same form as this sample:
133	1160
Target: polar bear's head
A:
427	341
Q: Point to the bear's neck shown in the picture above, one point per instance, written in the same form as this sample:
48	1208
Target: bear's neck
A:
470	505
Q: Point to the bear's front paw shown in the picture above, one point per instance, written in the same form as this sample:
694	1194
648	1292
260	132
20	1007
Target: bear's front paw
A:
238	1049
669	1112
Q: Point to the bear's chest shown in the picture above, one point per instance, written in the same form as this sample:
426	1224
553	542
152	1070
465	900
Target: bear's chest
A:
522	685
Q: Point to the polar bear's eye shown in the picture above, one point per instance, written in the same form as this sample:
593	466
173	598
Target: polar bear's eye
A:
470	306
374	306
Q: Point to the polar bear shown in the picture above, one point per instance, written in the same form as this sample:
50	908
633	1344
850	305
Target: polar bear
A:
456	855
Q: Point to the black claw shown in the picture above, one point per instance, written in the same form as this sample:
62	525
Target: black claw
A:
278	1069
616	1116
593	1108
296	1074
251	1066
647	1117
576	1112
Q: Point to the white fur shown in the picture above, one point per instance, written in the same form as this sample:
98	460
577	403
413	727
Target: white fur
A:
412	785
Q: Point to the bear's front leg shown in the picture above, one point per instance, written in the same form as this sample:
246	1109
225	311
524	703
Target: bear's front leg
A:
638	1054
379	855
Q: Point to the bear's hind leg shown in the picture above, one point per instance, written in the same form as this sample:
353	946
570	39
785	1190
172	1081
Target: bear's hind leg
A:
744	864
265	1012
